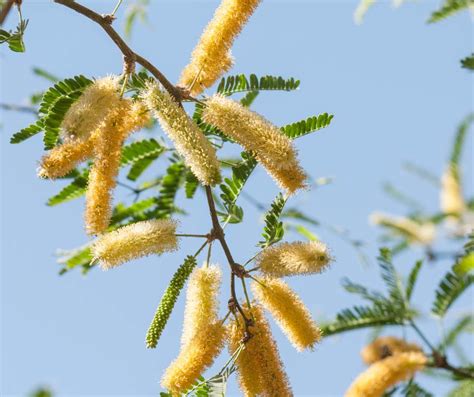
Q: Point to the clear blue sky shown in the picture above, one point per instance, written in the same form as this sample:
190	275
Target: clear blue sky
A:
397	92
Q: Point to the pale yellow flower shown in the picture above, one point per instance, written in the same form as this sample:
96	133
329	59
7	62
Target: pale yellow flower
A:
91	109
361	10
385	346
190	142
203	333
416	233
134	241
62	159
290	259
289	311
108	140
211	57
386	373
451	197
257	135
260	370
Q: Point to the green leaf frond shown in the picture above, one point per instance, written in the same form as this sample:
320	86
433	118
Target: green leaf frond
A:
413	389
168	301
80	257
358	289
273	230
307	126
15	39
363	317
74	190
191	185
141	150
391	278
450	7
460	139
464	324
240	83
449	289
412	278
468	62
55	103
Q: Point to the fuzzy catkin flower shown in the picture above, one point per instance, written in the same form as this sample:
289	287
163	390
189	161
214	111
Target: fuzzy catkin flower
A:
414	232
211	57
451	198
201	301
62	159
190	142
203	333
91	109
386	373
260	370
291	259
289	311
126	118
134	241
386	346
264	140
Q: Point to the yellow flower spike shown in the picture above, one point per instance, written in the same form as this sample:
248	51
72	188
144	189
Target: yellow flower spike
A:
414	232
257	135
91	109
386	373
386	346
289	311
211	57
203	333
451	198
134	241
291	259
127	117
260	370
62	159
190	142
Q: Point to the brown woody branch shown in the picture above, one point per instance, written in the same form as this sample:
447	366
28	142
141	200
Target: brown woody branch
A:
6	10
105	21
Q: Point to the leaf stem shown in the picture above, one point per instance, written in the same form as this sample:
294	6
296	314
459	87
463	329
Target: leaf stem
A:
117	6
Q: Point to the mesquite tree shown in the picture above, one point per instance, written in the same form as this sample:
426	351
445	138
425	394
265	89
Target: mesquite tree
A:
88	126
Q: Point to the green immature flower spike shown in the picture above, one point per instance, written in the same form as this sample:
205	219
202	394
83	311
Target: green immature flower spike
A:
168	301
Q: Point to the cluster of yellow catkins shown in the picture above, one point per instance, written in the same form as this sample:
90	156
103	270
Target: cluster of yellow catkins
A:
96	126
392	361
211	58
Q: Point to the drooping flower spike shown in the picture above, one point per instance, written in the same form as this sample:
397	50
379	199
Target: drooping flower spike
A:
127	117
292	259
203	333
386	346
414	232
190	142
289	311
212	56
260	370
386	373
451	197
257	135
134	241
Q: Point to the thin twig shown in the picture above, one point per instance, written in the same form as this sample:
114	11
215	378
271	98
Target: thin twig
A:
105	22
5	10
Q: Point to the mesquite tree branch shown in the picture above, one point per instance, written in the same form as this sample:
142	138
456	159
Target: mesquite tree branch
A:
105	21
6	10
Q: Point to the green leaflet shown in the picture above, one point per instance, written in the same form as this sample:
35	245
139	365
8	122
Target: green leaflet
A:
273	230
72	191
460	139
139	167
15	39
240	83
139	150
412	278
449	7
468	62
191	185
168	301
449	289
463	389
79	257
